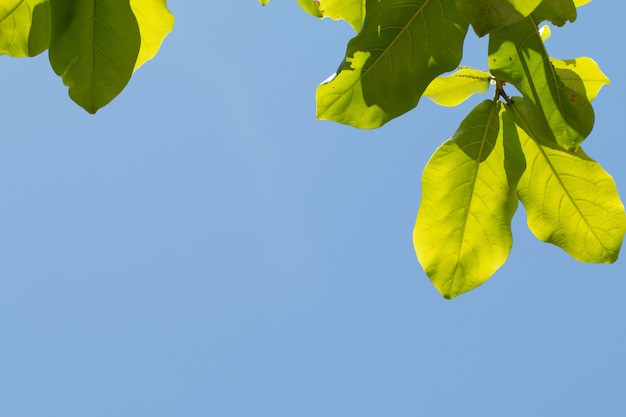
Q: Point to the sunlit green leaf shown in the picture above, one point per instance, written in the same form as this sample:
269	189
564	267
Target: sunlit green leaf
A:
311	7
24	27
579	3
155	22
352	11
94	48
462	233
517	55
404	45
557	12
569	199
581	74
264	2
455	88
489	15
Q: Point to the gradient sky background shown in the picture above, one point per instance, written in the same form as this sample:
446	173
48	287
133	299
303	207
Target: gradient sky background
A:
204	247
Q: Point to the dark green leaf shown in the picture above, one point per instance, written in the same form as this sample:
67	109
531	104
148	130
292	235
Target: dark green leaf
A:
94	47
489	15
404	45
517	55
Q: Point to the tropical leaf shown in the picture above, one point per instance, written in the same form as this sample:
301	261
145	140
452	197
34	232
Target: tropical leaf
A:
581	74
24	27
557	12
404	45
569	199
352	11
517	55
457	87
489	15
94	48
155	22
462	233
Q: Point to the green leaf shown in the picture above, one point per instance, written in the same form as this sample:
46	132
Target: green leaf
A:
24	27
517	55
94	48
489	15
569	199
312	7
462	233
579	3
581	74
404	45
155	22
264	2
455	88
352	11
557	12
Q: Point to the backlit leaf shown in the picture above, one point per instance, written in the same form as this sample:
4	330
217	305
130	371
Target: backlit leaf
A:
455	88
569	199
352	11
404	45
489	15
517	55
155	22
557	12
581	74
24	27
94	48
462	233
311	7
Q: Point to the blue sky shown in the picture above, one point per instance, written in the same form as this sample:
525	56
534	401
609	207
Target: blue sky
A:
204	247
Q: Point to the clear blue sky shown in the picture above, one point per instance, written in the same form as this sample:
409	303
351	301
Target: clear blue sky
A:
204	247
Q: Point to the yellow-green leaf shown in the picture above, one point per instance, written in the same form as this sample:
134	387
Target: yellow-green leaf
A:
517	55
264	2
570	200
581	74
24	27
579	3
403	46
455	88
352	11
155	22
462	232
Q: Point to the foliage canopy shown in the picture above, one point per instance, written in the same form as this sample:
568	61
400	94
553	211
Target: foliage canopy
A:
509	148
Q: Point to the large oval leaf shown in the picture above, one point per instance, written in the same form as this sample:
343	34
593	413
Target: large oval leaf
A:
570	200
462	233
94	48
404	45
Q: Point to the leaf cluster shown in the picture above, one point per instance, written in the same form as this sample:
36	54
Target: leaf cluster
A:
508	149
94	46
